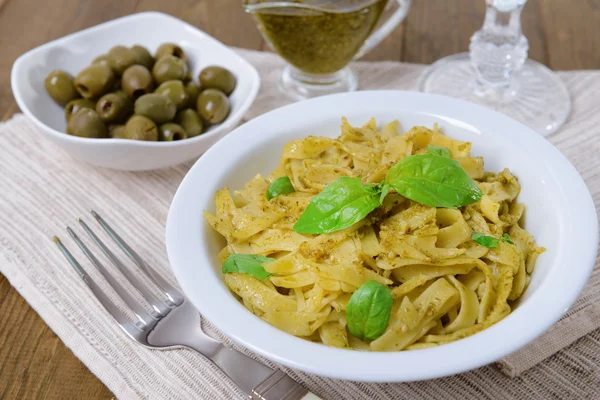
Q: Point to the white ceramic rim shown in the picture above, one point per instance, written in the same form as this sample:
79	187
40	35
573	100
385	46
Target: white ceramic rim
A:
580	231
227	125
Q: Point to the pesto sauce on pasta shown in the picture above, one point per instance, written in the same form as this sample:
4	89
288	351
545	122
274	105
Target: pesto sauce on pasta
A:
445	286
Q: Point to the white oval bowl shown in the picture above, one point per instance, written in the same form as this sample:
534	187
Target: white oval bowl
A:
74	52
560	214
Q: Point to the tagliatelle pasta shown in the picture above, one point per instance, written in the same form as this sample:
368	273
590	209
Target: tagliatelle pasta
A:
445	285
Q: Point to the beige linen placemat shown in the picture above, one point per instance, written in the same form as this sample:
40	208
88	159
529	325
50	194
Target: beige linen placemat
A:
42	189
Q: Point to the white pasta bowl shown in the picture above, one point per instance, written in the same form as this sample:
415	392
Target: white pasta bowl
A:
560	215
74	52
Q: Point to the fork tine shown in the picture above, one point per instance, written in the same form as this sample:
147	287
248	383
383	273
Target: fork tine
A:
135	306
172	293
123	321
159	305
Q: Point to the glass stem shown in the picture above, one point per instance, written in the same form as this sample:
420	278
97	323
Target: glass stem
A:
498	49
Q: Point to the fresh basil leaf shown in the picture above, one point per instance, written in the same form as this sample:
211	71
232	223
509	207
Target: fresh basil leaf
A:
340	205
439	151
368	311
434	181
385	189
506	238
488	241
280	186
249	264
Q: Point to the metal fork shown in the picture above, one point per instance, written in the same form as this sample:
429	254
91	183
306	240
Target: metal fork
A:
174	322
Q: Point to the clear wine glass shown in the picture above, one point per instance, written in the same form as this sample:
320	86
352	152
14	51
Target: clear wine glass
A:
496	73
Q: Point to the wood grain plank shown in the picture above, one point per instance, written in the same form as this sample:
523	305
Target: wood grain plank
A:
391	48
10	110
25	24
573	33
439	28
2	3
34	363
534	31
224	19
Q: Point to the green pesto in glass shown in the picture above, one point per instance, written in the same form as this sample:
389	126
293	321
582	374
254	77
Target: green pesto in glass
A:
319	41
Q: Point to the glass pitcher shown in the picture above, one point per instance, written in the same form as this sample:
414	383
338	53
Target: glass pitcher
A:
319	38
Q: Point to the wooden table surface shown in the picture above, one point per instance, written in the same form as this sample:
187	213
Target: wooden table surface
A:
34	363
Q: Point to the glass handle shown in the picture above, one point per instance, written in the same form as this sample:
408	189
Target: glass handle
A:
376	37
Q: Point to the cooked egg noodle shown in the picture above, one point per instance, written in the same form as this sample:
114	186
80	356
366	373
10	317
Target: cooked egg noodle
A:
445	286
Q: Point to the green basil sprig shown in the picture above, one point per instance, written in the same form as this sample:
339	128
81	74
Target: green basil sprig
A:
434	181
249	264
385	189
368	311
439	151
489	241
506	238
340	205
280	186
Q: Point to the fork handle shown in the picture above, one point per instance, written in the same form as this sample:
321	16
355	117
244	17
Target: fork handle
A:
256	379
280	386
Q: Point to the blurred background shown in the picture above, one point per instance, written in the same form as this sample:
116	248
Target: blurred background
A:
562	34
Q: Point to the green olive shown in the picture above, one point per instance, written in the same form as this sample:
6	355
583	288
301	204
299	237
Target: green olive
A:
137	81
138	127
169	68
170	49
175	91
157	107
190	121
121	58
116	131
75	105
143	56
188	77
87	123
213	106
169	132
95	80
60	87
214	77
102	59
114	107
192	91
